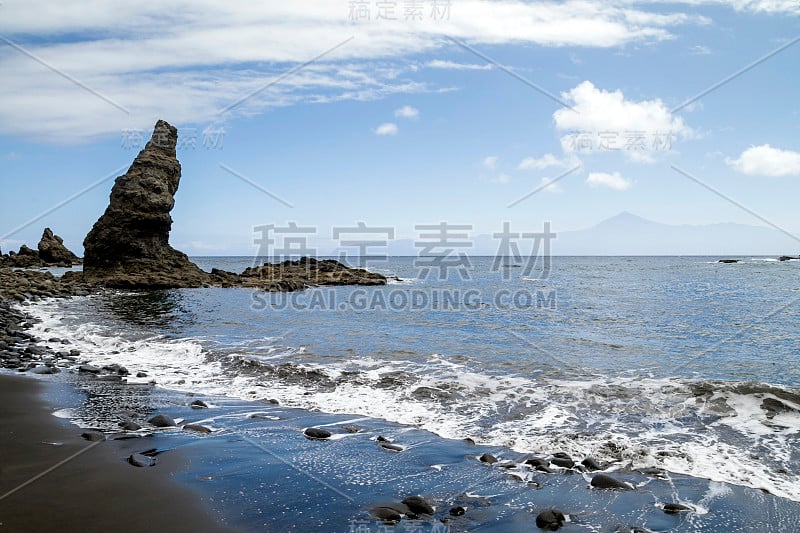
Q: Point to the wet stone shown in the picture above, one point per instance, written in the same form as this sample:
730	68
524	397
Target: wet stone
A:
550	520
162	421
141	461
317	434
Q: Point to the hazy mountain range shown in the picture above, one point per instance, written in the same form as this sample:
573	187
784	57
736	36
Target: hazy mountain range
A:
629	234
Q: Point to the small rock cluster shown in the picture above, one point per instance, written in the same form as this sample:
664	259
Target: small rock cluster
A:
51	252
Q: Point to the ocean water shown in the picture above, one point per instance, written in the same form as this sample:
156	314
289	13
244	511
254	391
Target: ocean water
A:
650	361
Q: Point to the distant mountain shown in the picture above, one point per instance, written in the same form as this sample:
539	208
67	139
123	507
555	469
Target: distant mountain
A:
629	234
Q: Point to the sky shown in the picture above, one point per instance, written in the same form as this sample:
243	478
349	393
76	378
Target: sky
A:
401	114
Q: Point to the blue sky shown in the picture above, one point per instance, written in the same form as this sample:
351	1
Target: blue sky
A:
405	122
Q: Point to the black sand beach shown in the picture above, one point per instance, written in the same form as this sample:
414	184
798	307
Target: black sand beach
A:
96	490
257	471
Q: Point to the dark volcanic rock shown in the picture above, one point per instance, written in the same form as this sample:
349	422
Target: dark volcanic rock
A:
785	258
728	261
130	425
52	250
197	428
550	520
162	421
488	459
93	436
775	407
302	273
674	508
591	464
129	245
602	481
141	461
418	505
198	404
317	434
386	514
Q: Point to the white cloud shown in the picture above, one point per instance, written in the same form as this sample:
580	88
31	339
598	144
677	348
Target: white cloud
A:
603	120
185	60
490	162
387	128
452	65
407	112
612	181
547	185
700	50
502	179
765	160
547	160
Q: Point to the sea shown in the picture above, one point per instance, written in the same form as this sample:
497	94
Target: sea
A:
679	363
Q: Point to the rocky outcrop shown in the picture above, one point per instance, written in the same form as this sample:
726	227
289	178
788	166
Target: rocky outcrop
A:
129	245
52	250
307	272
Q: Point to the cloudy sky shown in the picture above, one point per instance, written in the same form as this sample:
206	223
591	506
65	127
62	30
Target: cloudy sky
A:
402	113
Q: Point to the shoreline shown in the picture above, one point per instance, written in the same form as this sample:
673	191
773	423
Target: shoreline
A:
252	466
255	468
97	490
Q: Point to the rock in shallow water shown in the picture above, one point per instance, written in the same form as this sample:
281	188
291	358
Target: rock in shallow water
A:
488	458
591	464
317	434
386	514
197	428
674	508
418	505
550	520
93	436
162	421
602	481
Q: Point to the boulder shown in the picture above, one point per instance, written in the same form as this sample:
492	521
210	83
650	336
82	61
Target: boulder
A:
52	250
129	245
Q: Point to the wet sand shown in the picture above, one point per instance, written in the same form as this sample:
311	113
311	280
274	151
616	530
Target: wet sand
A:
96	490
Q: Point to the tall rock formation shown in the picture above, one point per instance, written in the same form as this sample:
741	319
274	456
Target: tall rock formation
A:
52	250
129	245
